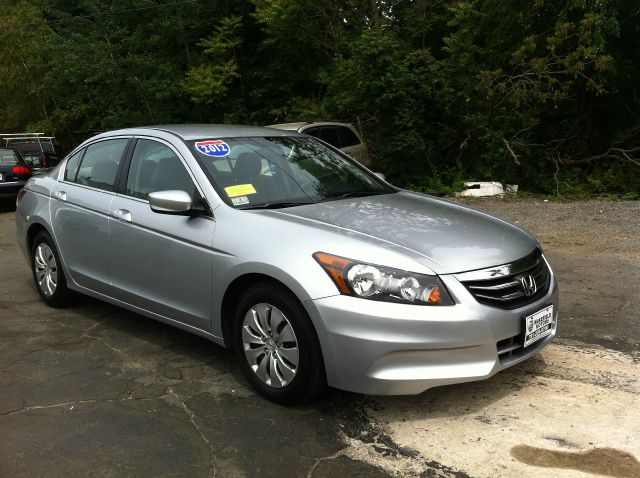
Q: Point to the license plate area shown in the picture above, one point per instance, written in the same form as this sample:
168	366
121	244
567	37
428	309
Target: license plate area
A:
537	326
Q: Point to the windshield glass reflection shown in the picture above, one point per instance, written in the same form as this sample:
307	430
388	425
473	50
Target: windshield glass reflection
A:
282	171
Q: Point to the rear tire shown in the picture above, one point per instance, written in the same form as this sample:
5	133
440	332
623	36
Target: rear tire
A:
277	345
48	275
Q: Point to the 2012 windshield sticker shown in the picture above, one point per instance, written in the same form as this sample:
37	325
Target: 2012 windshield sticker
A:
215	147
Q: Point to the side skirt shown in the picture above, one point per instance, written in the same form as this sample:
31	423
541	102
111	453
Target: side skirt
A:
160	318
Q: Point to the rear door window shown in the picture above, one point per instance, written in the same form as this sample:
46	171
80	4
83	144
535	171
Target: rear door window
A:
315	132
329	134
8	157
99	166
347	137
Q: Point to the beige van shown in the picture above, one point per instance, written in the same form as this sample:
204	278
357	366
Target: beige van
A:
340	135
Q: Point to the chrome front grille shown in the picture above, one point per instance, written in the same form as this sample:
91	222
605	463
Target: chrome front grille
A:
511	285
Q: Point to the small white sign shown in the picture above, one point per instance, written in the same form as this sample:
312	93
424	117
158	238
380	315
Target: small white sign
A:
538	325
240	200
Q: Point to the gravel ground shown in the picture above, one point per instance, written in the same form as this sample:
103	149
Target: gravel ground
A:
598	225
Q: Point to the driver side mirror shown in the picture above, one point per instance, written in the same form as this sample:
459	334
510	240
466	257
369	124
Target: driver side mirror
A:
170	202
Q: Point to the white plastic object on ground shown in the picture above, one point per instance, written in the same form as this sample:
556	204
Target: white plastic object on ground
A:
485	188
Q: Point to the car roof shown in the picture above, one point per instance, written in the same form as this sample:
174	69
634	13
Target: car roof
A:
288	126
307	124
199	131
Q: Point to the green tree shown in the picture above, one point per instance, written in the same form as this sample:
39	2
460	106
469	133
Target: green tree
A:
539	92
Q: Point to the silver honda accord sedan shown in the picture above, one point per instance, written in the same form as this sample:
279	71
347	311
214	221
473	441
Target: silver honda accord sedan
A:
274	243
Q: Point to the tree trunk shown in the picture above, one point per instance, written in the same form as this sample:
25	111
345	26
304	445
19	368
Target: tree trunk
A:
375	13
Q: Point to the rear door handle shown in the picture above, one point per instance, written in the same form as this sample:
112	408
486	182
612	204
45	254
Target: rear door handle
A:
123	214
61	195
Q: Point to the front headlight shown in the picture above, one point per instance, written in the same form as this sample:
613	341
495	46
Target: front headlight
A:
383	283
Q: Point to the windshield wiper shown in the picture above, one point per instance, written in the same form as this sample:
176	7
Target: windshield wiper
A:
283	204
354	194
275	205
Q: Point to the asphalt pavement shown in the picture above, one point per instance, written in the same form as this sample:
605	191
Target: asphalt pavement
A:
94	390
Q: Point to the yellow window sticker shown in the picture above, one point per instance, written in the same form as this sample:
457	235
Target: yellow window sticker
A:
240	190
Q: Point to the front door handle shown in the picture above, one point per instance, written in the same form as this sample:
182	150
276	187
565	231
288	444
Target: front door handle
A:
61	195
123	214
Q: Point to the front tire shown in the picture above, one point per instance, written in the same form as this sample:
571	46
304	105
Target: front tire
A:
277	345
48	275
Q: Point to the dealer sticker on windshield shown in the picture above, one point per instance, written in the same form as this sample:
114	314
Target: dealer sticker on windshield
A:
214	147
240	200
538	325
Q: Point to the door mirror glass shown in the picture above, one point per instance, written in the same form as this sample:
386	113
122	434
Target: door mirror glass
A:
170	202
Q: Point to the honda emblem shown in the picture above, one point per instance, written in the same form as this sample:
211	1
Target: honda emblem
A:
528	285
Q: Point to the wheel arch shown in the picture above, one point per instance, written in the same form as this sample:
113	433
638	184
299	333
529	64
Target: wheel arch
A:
34	229
253	274
236	288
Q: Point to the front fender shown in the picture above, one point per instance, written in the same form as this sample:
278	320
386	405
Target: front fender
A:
269	270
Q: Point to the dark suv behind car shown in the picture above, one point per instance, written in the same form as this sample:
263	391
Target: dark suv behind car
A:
41	153
14	173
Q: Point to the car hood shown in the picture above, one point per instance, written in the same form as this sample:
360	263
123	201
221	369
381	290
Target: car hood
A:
447	236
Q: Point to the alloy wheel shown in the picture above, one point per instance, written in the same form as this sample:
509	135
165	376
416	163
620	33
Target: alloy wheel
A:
46	269
270	345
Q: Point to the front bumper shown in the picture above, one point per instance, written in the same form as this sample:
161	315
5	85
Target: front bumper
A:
384	348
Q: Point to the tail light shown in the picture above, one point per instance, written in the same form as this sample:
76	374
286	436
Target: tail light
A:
22	170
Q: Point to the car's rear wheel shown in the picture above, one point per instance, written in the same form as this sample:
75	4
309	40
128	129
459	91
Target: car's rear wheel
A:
277	345
47	272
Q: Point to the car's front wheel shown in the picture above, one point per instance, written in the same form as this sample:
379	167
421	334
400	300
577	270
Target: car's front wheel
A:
47	272
277	345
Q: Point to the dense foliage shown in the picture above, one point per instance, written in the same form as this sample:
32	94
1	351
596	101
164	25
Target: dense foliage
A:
543	93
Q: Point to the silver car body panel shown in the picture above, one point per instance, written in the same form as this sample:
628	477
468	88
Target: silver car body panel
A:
81	219
146	261
404	349
438	231
177	269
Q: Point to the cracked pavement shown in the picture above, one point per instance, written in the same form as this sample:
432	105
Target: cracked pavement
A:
95	390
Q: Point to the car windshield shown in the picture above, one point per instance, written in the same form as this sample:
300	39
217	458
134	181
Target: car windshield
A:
282	171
